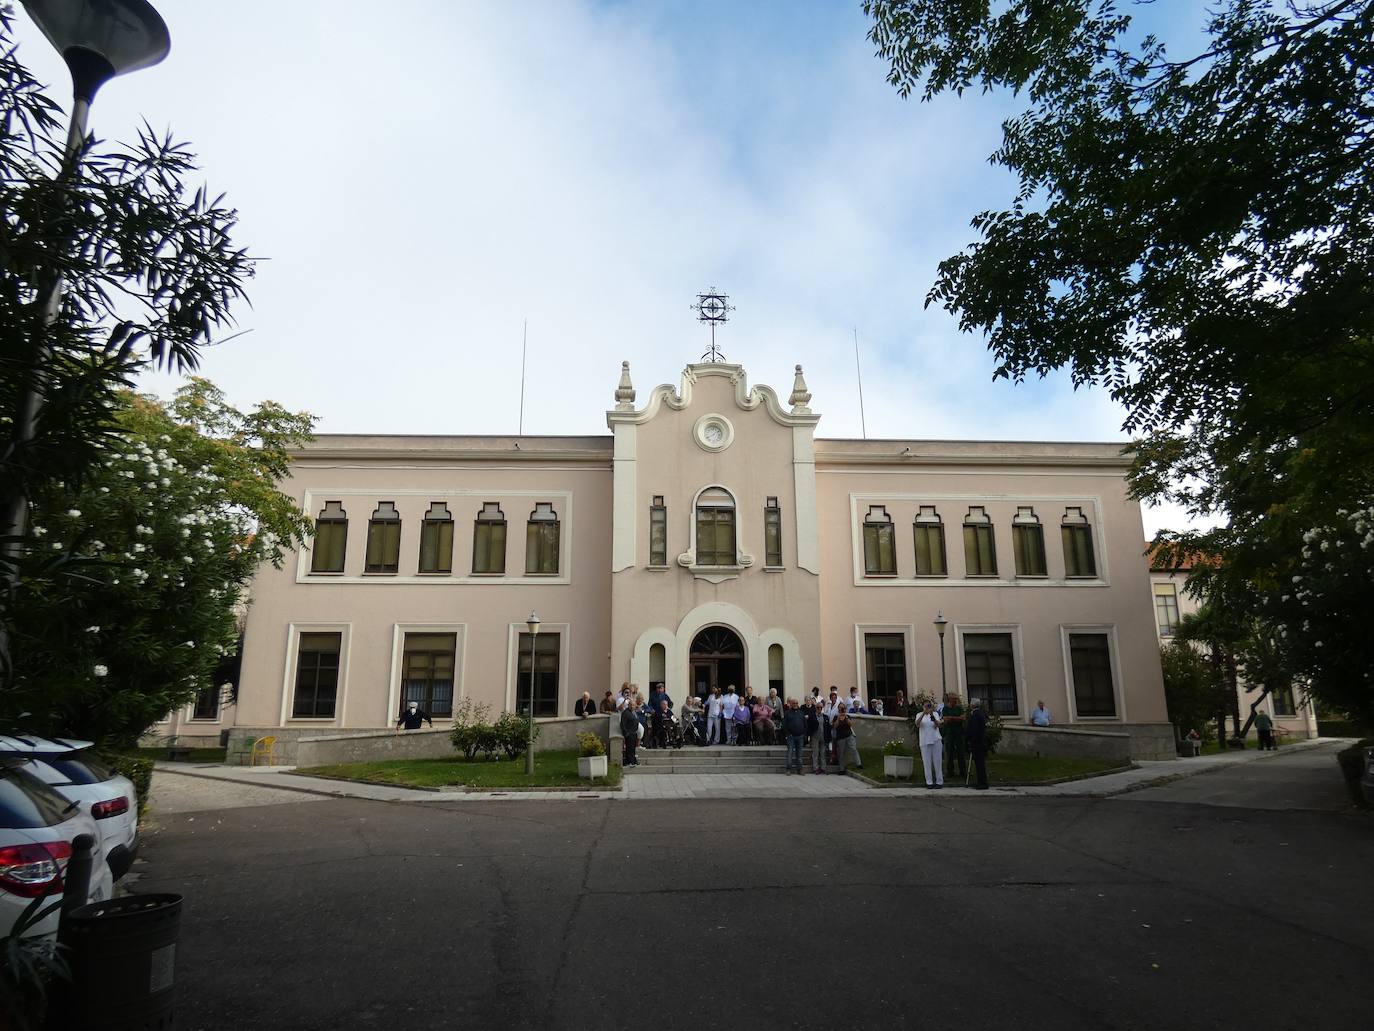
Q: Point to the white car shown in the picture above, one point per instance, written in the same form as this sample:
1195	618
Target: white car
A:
78	774
37	829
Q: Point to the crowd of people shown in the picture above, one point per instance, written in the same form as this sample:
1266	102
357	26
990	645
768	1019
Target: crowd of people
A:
817	730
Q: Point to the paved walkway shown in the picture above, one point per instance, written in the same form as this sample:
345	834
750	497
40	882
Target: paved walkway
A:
738	785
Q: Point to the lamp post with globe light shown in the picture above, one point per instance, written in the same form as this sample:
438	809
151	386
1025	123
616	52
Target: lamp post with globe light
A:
532	625
98	40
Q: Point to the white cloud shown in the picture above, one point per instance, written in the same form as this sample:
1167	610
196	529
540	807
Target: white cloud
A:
421	182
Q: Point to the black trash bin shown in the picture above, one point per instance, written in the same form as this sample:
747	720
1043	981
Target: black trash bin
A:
122	956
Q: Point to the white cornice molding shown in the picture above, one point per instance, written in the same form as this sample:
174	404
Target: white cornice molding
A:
745	398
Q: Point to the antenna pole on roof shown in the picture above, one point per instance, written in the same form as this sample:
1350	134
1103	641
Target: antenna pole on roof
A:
858	371
524	340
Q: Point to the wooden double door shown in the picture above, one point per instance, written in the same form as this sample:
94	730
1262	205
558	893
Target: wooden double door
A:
717	660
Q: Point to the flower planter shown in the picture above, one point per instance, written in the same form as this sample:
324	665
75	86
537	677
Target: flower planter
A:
898	765
589	766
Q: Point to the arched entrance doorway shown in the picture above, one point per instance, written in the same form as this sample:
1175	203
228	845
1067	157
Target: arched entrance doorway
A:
717	660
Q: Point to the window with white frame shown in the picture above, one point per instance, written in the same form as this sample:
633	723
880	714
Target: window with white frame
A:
436	540
990	669
330	543
317	675
980	547
929	532
716	528
772	533
489	540
1077	534
383	539
1166	609
541	541
427	665
1090	656
1028	543
658	532
880	543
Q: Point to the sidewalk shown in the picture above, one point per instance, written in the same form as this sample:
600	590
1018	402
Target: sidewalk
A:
740	785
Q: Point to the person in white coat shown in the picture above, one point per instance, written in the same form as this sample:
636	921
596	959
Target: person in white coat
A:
728	705
714	705
932	749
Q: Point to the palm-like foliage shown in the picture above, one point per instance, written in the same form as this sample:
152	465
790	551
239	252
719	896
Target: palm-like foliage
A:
150	274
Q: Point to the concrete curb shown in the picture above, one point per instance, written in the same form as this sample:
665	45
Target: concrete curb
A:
1178	770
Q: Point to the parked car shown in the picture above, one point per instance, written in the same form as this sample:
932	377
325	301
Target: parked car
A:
78	774
37	829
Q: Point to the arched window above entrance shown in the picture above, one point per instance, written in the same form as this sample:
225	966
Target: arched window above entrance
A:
715	528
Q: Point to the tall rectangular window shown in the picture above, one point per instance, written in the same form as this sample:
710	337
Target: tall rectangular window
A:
384	539
207	703
331	539
541	541
776	670
930	543
990	668
980	549
884	667
1028	543
1283	701
880	543
427	672
436	540
1166	609
489	540
317	675
545	674
772	534
716	528
1078	544
1091	658
658	532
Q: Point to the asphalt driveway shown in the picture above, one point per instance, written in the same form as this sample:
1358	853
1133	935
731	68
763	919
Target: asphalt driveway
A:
826	913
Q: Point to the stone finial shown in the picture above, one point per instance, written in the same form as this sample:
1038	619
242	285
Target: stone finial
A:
625	392
800	395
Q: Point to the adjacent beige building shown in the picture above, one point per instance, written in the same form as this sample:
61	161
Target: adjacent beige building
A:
710	538
1293	714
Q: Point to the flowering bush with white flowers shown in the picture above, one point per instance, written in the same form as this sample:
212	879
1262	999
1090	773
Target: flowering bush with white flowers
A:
157	548
1330	604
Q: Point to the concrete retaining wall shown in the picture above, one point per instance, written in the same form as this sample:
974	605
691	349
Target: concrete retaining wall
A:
304	747
1119	742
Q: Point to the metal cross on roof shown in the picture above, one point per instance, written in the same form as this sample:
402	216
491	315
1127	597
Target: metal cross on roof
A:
714	309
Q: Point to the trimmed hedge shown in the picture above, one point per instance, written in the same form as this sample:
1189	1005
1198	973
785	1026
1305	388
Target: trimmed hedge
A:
138	769
1351	761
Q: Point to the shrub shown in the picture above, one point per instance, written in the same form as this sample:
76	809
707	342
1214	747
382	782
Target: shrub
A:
513	733
590	745
467	717
1351	761
994	732
895	747
137	768
486	739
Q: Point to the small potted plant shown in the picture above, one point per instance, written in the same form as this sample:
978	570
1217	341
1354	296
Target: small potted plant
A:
898	759
592	762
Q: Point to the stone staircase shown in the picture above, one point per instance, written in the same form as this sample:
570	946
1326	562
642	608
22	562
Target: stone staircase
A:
715	759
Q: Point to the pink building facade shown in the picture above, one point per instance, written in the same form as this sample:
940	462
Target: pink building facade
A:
710	539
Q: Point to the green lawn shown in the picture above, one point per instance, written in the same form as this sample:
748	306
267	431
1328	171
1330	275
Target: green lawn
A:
1004	769
551	769
197	755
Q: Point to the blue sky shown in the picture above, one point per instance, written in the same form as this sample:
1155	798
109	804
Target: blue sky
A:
422	177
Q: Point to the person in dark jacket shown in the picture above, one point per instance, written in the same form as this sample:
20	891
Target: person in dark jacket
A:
976	736
794	729
811	712
629	729
663	715
413	716
585	706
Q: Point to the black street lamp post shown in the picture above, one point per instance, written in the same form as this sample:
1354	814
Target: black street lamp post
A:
940	623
